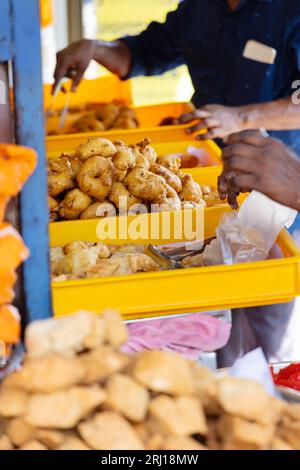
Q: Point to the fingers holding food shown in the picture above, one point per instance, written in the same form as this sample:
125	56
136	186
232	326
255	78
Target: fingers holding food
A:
74	204
146	185
171	162
96	146
95	177
191	191
121	197
98	210
60	177
170	178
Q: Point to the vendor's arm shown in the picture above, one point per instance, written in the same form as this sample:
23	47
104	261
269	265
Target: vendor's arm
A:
221	121
152	52
255	162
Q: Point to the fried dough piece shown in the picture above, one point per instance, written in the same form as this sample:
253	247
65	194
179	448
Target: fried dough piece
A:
124	160
108	113
13	402
56	258
181	443
98	249
181	416
5	443
67	335
169	202
74	204
60	176
145	149
88	123
110	431
289	428
19	432
50	438
64	409
191	191
99	210
78	263
33	445
121	197
125	122
171	178
140	159
207	390
96	146
116	330
188	205
240	434
145	185
53	207
100	363
127	397
164	372
123	264
75	163
73	443
280	444
244	398
47	374
95	177
171	162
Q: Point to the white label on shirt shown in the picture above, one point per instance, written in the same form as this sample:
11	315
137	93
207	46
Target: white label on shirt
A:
259	52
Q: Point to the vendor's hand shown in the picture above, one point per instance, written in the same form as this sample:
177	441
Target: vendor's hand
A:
255	162
218	121
73	61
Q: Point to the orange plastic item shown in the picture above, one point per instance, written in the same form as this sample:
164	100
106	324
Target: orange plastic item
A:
10	324
3	203
16	165
12	249
7	282
46	12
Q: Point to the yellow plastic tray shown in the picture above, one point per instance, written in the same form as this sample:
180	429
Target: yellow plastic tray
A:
146	295
69	144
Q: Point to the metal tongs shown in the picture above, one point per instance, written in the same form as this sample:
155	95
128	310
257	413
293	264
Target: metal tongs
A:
65	110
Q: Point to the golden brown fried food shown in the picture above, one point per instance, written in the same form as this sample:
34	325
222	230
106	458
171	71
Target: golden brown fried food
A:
101	363
182	443
116	330
133	404
53	207
98	210
95	178
145	185
97	250
171	162
170	202
109	430
13	402
121	197
50	438
79	262
140	159
191	191
33	445
164	372
96	146
124	160
64	409
75	164
171	179
123	264
56	257
125	122
107	113
73	443
145	149
60	176
188	205
88	123
5	443
74	204
19	432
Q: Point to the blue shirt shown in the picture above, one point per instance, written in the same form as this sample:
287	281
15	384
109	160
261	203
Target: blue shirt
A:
210	39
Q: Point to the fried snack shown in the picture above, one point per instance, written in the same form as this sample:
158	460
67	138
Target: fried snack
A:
88	123
13	402
60	176
125	122
75	163
171	162
182	416
95	178
124	160
280	444
79	263
74	204
126	248
33	445
188	205
64	409
107	113
289	427
191	191
239	434
98	210
67	335
109	431
171	179
116	330
170	202
100	363
121	197
50	438
140	159
133	404
145	185
122	264
207	390
182	443
73	443
96	146
47	374
5	443
145	149
19	432
211	197
97	249
164	372
53	207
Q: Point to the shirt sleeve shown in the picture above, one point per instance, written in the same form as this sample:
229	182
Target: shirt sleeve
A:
157	49
294	42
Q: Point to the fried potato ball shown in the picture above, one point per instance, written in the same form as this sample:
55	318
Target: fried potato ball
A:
191	191
171	179
74	204
95	177
98	210
60	177
96	146
171	162
121	197
145	185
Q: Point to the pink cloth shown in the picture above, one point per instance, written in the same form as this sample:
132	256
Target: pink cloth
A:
189	335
